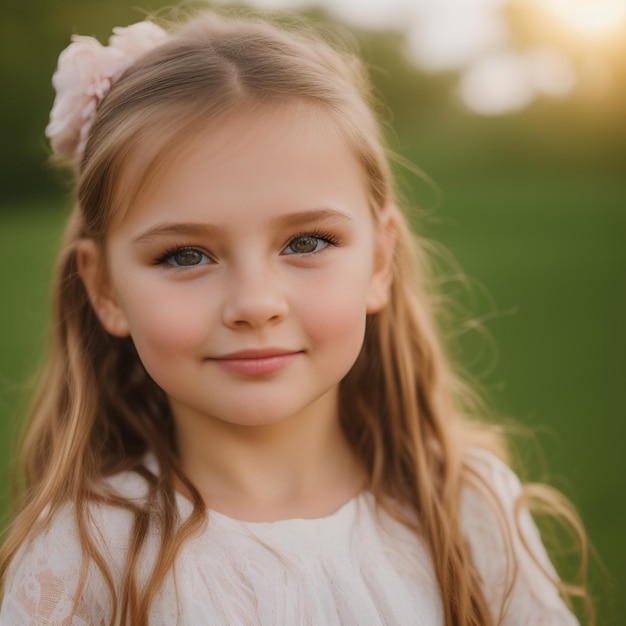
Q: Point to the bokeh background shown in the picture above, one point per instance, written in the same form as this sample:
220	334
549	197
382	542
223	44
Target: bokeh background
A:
516	113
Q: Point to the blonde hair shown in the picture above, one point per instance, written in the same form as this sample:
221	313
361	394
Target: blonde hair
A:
404	409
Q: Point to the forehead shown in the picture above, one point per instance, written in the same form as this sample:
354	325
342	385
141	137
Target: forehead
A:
270	158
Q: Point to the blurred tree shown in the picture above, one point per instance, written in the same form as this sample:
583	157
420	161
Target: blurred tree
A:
32	34
590	126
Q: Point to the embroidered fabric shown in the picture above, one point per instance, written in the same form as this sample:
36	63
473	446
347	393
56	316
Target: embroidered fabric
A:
357	566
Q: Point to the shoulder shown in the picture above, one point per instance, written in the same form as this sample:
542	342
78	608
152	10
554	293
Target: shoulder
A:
506	546
50	582
489	497
43	581
487	480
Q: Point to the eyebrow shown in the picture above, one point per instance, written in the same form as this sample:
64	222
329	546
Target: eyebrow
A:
168	229
299	218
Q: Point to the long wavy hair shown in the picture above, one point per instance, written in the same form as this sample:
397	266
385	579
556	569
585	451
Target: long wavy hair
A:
406	412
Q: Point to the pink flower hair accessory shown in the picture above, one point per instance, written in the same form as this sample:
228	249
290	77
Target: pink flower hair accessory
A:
85	73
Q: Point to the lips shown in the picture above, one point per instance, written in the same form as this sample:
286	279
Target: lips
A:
256	362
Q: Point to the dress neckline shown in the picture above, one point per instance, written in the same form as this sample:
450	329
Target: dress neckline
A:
345	510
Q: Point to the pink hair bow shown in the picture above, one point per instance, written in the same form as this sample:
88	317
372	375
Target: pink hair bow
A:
85	73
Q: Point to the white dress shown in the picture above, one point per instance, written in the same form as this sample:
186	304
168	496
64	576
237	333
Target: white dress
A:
354	567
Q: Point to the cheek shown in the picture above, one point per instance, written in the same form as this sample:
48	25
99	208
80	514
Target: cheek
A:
336	317
162	322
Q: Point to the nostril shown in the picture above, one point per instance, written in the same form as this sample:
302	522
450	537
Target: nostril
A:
255	312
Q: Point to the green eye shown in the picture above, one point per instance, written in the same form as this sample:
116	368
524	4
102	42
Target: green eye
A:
306	244
186	257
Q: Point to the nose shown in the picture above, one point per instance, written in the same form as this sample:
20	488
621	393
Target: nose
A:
254	297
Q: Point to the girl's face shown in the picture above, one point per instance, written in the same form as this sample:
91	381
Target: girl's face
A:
244	275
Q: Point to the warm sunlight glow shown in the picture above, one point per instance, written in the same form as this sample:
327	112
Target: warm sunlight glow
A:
588	16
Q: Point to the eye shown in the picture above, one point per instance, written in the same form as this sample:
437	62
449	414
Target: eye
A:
185	257
309	244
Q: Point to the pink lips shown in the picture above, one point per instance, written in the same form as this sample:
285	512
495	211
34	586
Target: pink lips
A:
256	362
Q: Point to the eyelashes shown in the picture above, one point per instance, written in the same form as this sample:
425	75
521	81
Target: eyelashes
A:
183	256
304	244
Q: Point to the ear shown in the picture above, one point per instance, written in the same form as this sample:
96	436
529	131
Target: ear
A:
92	270
382	271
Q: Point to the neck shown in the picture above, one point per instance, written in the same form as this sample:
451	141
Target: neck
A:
299	467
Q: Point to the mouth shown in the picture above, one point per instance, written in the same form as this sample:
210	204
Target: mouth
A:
256	362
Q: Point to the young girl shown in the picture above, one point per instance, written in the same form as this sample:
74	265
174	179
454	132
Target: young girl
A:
247	415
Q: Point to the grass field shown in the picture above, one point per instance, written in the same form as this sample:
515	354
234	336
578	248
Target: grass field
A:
549	251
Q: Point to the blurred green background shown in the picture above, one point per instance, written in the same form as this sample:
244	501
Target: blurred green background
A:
531	206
